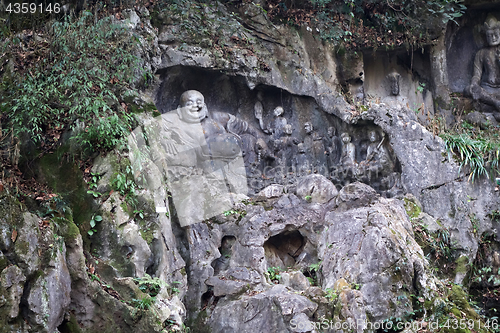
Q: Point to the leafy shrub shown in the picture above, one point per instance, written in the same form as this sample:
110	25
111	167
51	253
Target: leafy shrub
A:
83	68
369	23
437	244
274	274
150	285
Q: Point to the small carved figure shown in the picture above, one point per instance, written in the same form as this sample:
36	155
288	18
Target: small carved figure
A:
319	154
302	163
308	139
378	159
348	151
485	83
258	111
313	144
284	148
332	147
394	78
373	147
279	123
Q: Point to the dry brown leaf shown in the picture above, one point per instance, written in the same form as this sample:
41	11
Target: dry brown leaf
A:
14	235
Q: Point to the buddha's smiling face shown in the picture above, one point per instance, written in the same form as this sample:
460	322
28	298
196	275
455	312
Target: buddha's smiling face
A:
193	105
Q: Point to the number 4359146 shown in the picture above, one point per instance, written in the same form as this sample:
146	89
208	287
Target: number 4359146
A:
32	8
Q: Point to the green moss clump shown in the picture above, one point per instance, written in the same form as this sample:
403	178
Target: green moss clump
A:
147	233
72	231
125	208
66	179
199	323
461	263
412	209
149	107
456	312
459	297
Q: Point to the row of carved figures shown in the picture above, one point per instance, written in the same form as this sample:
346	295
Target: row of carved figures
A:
315	152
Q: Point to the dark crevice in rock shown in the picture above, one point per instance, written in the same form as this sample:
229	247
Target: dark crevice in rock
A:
435	187
209	300
64	327
179	234
24	309
154	260
283	249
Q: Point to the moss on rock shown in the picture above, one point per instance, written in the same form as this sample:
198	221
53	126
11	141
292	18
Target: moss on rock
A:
66	179
412	208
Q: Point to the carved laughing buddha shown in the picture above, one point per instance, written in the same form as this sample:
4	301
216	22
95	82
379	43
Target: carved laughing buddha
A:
196	136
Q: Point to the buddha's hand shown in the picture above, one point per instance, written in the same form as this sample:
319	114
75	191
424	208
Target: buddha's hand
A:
475	90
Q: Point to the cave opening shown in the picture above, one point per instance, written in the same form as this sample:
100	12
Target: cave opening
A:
284	249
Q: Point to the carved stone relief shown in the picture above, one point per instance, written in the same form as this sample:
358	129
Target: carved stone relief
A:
485	82
274	137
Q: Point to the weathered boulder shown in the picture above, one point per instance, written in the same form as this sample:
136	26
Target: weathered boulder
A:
272	191
295	280
317	187
36	271
372	247
270	311
432	175
356	195
49	295
26	246
11	288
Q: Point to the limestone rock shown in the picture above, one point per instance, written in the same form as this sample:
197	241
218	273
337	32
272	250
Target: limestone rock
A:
272	191
318	187
26	244
372	247
49	296
11	290
295	280
269	311
225	287
483	120
355	195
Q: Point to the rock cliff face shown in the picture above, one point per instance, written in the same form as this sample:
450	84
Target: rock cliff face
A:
327	245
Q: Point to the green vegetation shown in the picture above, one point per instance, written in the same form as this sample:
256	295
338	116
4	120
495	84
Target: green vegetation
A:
143	303
238	214
474	147
311	273
372	23
480	154
274	274
152	286
124	183
331	295
411	207
92	184
93	223
436	244
73	78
